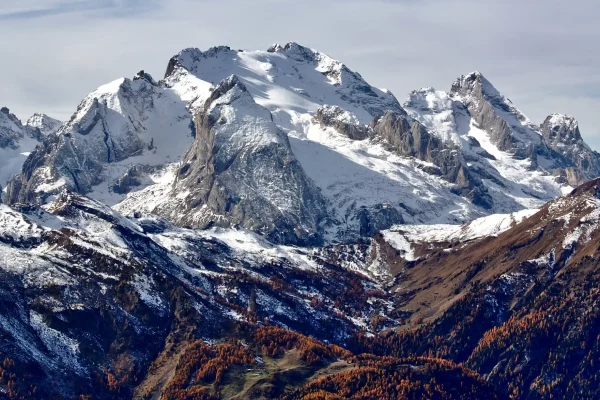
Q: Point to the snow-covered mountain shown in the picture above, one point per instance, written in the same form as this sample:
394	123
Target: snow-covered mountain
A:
241	171
360	162
42	125
17	140
119	134
84	289
249	189
500	149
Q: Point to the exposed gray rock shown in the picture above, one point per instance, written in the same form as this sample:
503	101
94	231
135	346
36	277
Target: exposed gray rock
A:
241	171
40	125
11	129
508	128
136	176
342	121
561	133
407	137
377	218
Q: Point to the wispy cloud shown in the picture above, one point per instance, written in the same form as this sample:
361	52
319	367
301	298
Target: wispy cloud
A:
49	8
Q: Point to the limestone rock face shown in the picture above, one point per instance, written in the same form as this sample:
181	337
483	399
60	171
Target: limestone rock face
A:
40	125
561	133
240	171
122	121
342	121
407	137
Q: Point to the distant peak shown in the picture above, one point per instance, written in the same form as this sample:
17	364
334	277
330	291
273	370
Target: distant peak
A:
296	51
561	119
12	117
470	78
276	48
475	74
145	76
561	128
186	58
44	123
224	87
474	83
290	46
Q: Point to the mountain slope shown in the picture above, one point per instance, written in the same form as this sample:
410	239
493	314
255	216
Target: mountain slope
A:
17	141
521	308
87	292
119	134
443	158
241	171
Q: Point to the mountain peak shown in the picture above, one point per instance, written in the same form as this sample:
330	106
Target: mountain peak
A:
474	83
9	121
289	46
144	75
186	58
561	133
5	111
42	124
297	52
561	128
230	88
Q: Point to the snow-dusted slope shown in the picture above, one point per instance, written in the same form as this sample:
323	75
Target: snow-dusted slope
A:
517	164
119	135
17	141
241	171
404	237
448	158
42	125
290	81
79	280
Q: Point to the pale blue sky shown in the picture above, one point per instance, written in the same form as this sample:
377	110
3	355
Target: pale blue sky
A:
543	54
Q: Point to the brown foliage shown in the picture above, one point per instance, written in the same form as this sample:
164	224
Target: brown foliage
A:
203	365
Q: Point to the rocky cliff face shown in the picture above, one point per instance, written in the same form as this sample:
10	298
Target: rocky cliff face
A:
443	157
342	121
17	141
561	133
11	129
409	138
241	172
507	127
122	120
40	125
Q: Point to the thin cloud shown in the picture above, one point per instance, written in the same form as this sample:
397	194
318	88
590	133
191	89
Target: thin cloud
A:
109	7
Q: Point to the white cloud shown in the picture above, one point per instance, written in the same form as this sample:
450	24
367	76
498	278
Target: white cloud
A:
540	53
